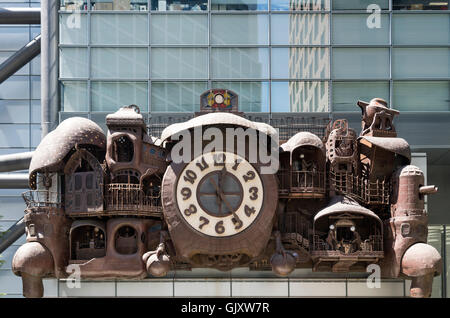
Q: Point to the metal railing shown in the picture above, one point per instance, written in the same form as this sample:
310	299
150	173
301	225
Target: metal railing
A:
373	244
130	197
301	181
42	198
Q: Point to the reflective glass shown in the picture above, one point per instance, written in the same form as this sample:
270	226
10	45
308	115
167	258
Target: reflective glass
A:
419	5
421	62
70	5
179	63
179	29
9	109
301	29
299	5
300	63
13	38
74	96
354	29
346	94
119	5
73	29
119	28
15	87
35	87
176	96
295	96
109	96
253	96
359	4
177	5
234	63
421	29
25	70
360	63
12	207
421	96
14	135
239	29
435	240
119	63
73	62
246	5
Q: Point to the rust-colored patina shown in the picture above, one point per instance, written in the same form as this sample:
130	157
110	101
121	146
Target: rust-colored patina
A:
122	207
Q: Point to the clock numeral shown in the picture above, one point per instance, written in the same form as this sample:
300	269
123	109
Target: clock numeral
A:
186	193
219	159
249	176
254	192
237	222
204	220
190	176
191	210
249	210
220	229
202	164
236	164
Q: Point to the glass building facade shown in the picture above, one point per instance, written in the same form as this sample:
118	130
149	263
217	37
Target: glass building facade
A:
284	58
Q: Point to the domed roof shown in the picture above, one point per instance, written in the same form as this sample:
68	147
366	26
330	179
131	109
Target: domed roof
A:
126	116
394	144
56	145
303	138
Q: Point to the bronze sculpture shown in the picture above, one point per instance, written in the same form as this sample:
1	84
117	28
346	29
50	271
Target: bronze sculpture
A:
122	206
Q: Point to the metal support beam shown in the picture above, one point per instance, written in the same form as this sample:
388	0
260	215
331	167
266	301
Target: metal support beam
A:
14	181
20	15
49	65
16	161
16	61
12	234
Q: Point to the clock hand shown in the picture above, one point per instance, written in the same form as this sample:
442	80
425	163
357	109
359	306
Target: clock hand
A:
222	196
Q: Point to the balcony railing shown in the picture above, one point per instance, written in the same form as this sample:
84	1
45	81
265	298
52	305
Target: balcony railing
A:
42	198
295	181
370	192
132	199
372	244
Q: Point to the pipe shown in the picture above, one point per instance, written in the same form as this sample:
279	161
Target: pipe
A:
49	65
16	61
20	15
428	189
12	234
14	181
16	161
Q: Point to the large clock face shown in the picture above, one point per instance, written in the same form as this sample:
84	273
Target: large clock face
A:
219	194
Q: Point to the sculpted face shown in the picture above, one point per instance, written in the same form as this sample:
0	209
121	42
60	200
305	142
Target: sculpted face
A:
219	194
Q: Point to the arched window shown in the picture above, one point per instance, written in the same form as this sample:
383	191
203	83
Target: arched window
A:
123	149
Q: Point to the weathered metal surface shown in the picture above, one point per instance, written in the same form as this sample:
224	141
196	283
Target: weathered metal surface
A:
335	204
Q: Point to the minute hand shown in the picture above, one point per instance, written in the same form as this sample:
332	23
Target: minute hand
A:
222	196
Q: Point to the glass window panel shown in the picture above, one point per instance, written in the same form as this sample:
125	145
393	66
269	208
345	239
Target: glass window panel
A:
360	63
179	29
35	87
419	5
70	5
435	240
234	63
119	5
239	29
303	29
36	65
346	94
358	4
177	5
421	29
110	96
14	135
13	38
12	208
9	110
73	28
295	96
74	96
73	62
25	70
418	128
35	111
253	96
36	132
299	5
180	63
421	96
119	63
119	29
305	62
420	62
177	96
246	5
353	29
15	87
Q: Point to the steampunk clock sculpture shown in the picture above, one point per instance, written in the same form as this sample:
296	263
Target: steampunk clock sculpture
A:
129	204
